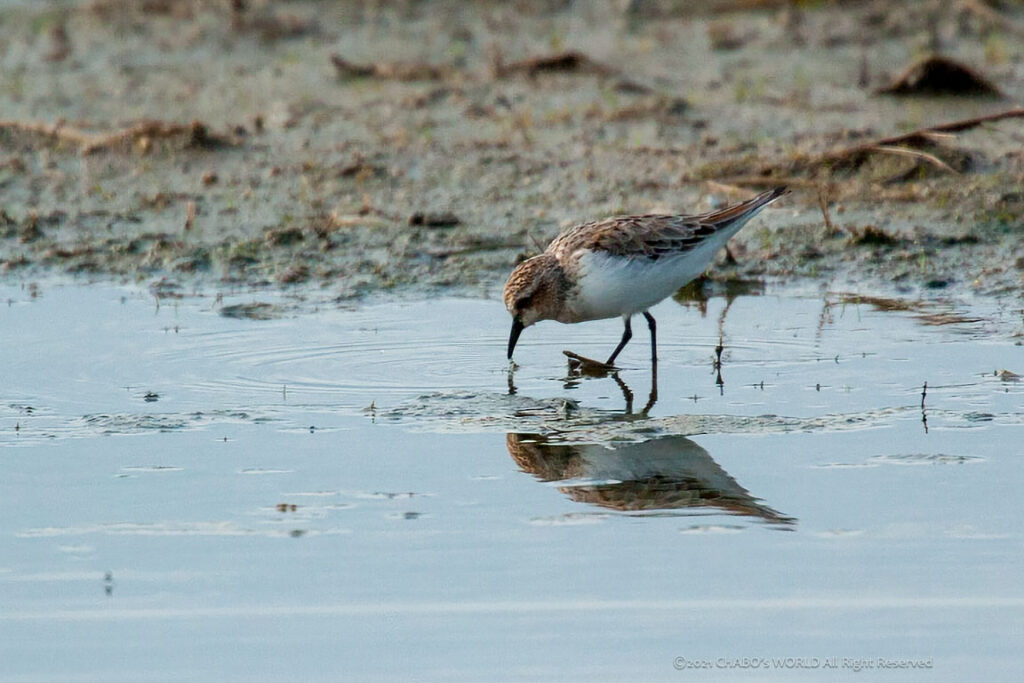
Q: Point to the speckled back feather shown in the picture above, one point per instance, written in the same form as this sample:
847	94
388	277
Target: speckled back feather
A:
653	236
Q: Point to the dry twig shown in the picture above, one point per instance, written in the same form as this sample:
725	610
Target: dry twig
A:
397	71
195	135
908	144
917	154
823	199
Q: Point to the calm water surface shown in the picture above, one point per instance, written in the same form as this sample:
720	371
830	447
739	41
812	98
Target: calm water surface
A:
337	494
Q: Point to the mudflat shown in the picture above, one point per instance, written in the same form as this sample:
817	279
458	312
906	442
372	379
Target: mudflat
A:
426	147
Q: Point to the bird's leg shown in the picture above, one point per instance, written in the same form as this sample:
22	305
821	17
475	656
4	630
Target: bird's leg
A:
653	397
627	334
626	392
654	344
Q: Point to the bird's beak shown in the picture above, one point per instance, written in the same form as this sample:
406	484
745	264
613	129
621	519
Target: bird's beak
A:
513	337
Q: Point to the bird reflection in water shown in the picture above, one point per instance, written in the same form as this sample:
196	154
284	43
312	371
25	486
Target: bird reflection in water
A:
669	472
665	473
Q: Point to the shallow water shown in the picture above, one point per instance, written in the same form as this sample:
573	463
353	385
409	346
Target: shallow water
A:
351	494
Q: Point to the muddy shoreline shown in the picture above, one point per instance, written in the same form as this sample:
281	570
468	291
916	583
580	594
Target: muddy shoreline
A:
407	149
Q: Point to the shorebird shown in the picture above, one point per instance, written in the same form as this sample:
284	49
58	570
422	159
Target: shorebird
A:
620	267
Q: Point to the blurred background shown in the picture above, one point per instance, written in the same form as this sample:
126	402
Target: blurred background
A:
429	145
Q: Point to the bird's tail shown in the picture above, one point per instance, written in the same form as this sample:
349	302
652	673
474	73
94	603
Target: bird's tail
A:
744	210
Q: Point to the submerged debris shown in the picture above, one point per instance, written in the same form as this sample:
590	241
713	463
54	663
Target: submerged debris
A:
922	311
258	310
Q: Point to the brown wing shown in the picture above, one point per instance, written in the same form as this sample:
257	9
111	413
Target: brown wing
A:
647	236
653	236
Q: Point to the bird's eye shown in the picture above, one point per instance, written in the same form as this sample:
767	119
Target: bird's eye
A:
524	302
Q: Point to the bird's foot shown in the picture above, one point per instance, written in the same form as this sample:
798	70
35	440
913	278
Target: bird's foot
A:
588	366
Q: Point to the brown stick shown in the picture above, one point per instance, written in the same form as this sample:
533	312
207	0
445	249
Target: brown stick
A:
953	126
194	135
397	71
917	154
918	136
823	197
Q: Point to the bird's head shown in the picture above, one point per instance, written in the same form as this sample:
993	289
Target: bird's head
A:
535	291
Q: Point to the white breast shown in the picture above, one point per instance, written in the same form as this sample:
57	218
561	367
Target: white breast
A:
610	286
